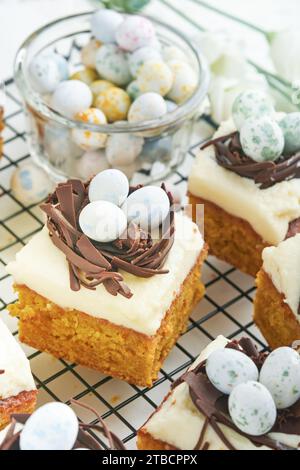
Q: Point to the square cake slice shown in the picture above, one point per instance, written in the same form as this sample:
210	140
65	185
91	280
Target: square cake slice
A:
276	304
17	387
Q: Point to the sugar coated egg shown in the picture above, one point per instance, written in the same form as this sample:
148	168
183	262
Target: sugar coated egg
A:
91	163
154	75
135	32
148	207
88	53
290	126
98	86
133	90
262	139
109	185
87	75
251	103
114	102
140	56
45	73
280	373
53	426
112	64
173	53
252	408
184	81
86	139
123	149
71	97
104	24
226	368
146	107
102	221
30	184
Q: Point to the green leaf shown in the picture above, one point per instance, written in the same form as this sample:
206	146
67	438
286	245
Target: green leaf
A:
129	6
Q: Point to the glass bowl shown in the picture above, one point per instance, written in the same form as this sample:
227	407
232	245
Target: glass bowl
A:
49	134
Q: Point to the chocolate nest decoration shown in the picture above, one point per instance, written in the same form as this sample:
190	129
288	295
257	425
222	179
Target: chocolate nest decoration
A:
230	155
92	263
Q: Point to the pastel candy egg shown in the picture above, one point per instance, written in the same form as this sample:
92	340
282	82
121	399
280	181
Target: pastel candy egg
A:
85	139
112	64
251	103
71	97
91	163
102	221
135	32
114	102
226	368
53	426
184	81
290	126
59	146
88	53
158	149
147	207
104	24
109	185
252	408
30	184
86	75
44	73
155	76
146	107
262	139
173	53
133	90
171	106
98	86
280	373
140	56
123	149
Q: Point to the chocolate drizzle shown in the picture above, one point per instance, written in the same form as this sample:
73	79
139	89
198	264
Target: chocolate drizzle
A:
92	263
230	155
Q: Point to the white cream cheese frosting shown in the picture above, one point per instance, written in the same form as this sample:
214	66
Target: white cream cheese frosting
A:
179	423
269	211
17	375
282	264
43	268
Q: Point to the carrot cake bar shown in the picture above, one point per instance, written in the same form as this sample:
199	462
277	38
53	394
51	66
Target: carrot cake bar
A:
17	388
117	306
213	406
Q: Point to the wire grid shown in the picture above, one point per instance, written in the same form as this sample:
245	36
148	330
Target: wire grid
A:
226	308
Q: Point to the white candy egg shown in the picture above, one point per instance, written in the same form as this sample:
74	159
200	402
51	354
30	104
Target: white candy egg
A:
91	163
135	32
104	24
112	64
262	139
133	90
252	408
86	139
290	126
123	149
140	56
158	149
53	426
251	103
88	53
147	207
71	97
30	184
155	76
47	70
171	106
146	107
173	53
109	185
280	373
59	146
184	81
102	221
226	368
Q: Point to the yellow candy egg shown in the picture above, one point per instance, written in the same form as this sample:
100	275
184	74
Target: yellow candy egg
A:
87	76
155	76
98	86
185	81
88	53
115	103
88	140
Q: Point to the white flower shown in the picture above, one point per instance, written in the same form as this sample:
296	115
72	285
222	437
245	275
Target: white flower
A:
285	53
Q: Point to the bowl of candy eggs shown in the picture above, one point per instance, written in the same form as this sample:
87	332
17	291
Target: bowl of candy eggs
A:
106	90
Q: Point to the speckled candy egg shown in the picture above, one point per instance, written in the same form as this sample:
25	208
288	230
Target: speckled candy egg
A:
184	81
252	408
30	184
53	426
135	32
147	207
140	56
280	373
71	97
109	185
114	102
290	126
251	103
133	90
155	76
262	139
104	24
87	75
88	53
112	64
226	368
147	106
47	70
98	86
123	149
102	221
91	163
86	139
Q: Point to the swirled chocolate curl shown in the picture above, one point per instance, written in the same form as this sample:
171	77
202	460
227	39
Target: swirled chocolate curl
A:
92	263
230	155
